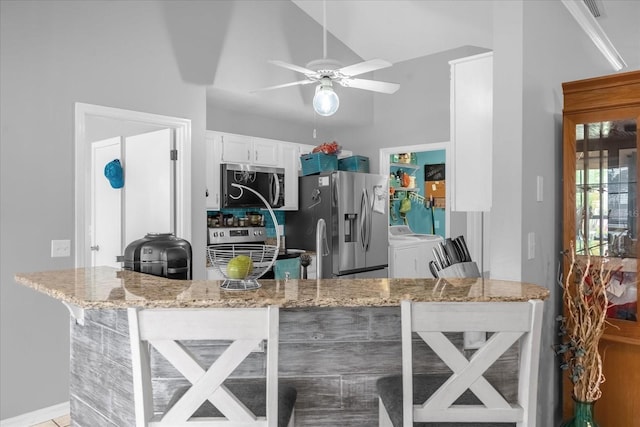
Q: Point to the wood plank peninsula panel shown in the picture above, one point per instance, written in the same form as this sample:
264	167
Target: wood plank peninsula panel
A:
337	337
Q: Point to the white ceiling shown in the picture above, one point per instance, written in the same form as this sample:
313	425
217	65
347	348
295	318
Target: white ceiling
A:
395	30
405	29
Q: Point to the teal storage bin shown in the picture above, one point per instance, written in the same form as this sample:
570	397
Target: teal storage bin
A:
313	163
284	266
354	164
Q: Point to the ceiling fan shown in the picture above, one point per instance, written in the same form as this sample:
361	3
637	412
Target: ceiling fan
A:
328	71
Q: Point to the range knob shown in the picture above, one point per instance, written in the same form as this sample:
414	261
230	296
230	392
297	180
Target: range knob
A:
215	234
222	234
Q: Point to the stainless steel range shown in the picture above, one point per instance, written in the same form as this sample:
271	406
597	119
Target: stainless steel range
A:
237	235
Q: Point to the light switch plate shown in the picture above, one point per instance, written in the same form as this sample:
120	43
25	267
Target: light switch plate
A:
60	248
539	188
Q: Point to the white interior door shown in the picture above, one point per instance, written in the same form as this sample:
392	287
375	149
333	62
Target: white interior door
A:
146	203
106	206
149	185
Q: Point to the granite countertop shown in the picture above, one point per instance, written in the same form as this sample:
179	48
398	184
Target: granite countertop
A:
106	287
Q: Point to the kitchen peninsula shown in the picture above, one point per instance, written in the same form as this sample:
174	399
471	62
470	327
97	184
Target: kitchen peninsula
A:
337	337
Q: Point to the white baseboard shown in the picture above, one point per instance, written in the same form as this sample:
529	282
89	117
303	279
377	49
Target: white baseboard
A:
38	416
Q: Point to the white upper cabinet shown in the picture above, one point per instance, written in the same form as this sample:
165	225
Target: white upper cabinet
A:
290	161
249	150
266	152
471	132
213	160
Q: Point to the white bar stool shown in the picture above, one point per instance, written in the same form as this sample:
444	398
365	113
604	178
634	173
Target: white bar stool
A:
210	400
402	398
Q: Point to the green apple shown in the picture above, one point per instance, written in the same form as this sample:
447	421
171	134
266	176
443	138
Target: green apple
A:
239	267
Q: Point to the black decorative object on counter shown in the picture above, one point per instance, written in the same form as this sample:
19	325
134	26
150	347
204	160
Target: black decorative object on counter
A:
160	254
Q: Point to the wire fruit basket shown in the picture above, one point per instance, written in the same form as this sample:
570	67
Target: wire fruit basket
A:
242	264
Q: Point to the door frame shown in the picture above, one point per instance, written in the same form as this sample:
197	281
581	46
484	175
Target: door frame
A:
385	166
182	134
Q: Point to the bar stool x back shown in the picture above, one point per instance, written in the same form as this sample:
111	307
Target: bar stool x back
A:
449	399
209	400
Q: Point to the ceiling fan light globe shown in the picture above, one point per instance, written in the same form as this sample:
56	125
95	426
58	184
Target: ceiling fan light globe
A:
325	101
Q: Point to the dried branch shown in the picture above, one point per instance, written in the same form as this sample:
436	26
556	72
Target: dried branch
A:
586	302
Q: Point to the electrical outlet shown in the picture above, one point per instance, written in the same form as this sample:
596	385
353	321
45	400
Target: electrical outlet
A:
60	248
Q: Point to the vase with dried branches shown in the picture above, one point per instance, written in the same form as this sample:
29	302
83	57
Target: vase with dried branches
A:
581	327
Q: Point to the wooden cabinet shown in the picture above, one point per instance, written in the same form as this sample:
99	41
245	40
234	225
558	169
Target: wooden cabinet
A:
471	132
601	193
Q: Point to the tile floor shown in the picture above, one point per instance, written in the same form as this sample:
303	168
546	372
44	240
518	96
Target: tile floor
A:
64	421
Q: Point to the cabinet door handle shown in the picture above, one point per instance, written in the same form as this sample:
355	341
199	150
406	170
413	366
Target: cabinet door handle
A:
248	154
256	155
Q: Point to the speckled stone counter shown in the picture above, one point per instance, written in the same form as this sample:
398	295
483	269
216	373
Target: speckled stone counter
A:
108	288
337	337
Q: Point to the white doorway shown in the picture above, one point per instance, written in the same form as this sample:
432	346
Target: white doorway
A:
385	164
475	226
155	153
122	215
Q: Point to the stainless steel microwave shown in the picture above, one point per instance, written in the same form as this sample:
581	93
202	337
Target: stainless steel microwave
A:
268	182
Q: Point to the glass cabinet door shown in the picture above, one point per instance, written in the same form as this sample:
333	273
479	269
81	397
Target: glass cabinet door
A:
606	205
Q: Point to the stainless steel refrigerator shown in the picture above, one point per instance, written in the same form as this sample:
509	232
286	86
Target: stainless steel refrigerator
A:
354	207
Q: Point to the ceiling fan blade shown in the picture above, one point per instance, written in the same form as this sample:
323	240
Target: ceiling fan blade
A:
299	69
301	82
373	85
364	67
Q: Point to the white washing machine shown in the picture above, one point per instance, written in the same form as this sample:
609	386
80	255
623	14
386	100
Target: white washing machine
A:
410	253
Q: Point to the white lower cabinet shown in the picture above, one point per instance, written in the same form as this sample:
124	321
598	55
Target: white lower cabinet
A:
409	261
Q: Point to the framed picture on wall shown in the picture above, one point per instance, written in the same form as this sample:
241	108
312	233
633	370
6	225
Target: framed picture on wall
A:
434	172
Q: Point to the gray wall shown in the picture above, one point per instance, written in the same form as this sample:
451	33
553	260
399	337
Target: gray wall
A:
54	54
530	63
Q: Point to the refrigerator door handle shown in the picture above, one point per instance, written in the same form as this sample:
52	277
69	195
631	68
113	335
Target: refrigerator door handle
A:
363	219
368	219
